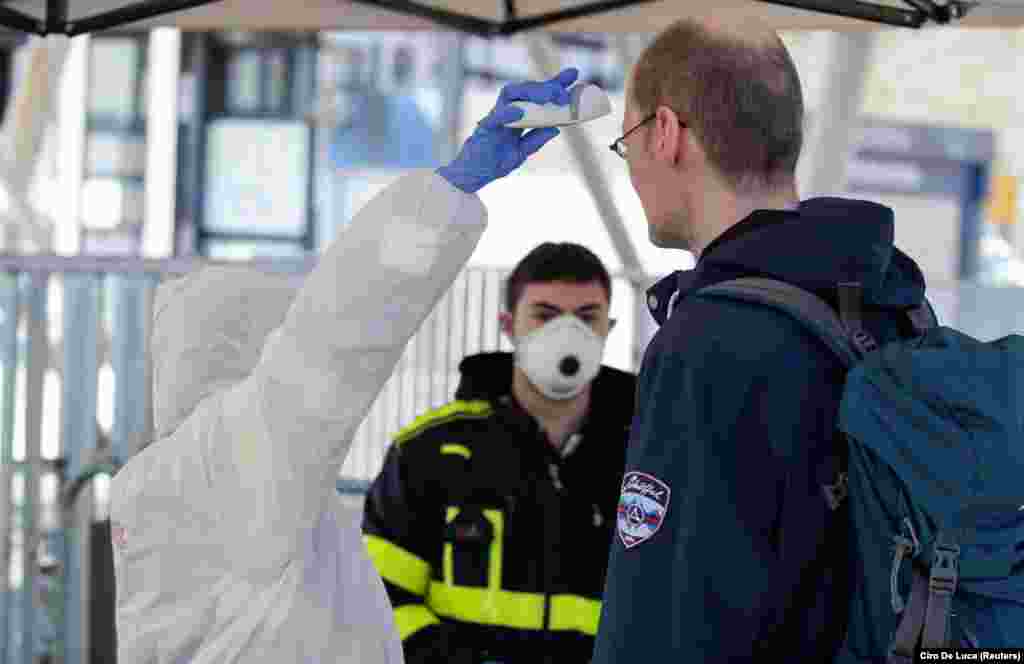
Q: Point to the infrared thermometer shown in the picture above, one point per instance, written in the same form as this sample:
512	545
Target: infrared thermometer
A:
586	102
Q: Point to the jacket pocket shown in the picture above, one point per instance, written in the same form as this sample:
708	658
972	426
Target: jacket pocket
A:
473	541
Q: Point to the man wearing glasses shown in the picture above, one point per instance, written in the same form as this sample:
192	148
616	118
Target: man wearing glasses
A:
727	549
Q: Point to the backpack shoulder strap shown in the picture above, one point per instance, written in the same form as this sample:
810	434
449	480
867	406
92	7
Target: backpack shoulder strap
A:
842	333
807	308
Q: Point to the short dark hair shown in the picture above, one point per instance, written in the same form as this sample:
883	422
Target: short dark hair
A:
555	261
742	99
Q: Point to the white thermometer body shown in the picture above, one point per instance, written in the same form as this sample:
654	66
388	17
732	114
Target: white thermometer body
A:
587	102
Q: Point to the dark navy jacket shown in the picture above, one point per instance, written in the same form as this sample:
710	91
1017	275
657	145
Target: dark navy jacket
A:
726	549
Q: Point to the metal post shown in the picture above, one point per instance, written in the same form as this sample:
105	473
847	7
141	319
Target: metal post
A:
29	111
71	146
78	431
451	318
454	92
25	126
423	367
192	163
35	370
129	364
8	374
829	140
161	142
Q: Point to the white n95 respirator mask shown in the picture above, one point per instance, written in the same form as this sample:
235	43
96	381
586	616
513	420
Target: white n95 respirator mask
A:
560	357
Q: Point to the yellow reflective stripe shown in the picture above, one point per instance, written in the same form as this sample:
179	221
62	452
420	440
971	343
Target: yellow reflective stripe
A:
484	606
448	564
456	410
497	520
452	448
407	571
516	610
412	618
572	613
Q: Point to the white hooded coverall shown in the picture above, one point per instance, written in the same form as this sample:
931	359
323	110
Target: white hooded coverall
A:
230	542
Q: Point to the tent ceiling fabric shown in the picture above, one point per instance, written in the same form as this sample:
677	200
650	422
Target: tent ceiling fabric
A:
482	16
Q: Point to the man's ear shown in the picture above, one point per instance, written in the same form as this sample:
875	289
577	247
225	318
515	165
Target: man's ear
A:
505	320
669	135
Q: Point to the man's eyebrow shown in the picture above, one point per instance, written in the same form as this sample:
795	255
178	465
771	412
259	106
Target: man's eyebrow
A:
586	308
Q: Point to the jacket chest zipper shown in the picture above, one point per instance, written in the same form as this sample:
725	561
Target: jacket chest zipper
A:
556	480
554	474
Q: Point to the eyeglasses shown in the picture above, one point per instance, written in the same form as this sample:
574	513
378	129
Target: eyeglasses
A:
620	148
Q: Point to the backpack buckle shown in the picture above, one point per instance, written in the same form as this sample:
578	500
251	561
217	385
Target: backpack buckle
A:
850	310
904	546
864	342
945	569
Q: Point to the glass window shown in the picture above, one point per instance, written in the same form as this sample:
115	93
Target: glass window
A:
256	176
114	66
109	202
116	153
277	81
245	75
382	106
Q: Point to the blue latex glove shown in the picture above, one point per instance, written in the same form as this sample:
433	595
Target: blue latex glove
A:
494	151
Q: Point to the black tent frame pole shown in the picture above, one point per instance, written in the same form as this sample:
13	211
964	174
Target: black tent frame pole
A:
894	16
129	14
57	20
15	20
902	18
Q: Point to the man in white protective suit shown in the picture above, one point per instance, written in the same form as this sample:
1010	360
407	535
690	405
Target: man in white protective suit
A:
230	541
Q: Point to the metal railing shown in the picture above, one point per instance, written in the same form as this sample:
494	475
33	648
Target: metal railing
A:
75	402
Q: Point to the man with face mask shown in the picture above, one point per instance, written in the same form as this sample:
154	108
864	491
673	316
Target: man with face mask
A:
491	520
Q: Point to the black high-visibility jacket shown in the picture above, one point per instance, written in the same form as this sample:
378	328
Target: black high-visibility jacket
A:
493	546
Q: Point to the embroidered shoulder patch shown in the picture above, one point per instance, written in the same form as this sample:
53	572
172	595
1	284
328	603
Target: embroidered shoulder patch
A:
642	506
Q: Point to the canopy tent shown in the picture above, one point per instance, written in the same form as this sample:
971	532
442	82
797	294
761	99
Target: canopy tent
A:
494	17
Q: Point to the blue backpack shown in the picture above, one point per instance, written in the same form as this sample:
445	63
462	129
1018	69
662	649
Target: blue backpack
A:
933	477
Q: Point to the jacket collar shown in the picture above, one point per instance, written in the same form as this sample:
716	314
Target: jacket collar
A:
488	376
663	296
